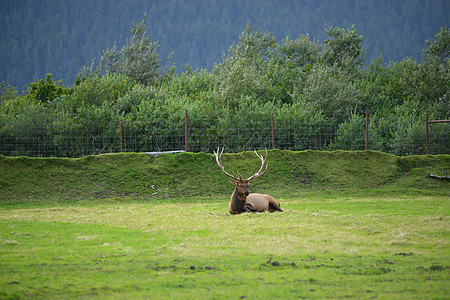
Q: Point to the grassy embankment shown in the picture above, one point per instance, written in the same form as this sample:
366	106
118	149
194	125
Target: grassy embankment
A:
360	224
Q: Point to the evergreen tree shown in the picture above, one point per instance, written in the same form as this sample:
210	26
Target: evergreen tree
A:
138	59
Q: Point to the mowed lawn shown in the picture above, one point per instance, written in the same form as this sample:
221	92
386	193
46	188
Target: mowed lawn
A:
323	246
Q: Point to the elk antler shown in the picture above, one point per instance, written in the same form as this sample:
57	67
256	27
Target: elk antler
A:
263	162
256	175
219	163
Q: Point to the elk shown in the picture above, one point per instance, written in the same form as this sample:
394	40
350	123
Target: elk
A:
241	201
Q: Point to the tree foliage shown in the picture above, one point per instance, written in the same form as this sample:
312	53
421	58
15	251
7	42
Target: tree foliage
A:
343	48
45	90
317	93
138	59
439	49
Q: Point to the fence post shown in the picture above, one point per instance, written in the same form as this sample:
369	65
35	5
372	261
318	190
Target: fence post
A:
273	130
426	132
186	121
367	130
121	135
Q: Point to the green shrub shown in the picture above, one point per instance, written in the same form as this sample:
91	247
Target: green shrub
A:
351	134
45	90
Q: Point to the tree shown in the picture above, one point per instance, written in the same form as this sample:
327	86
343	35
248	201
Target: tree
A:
439	49
302	51
253	44
243	75
138	59
343	47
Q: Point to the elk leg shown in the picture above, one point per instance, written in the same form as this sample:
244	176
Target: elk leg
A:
274	205
273	208
250	208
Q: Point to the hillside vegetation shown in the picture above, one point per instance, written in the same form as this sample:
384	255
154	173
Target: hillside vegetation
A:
40	37
141	177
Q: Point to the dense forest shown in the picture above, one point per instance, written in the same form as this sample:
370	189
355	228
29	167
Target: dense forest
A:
59	37
317	92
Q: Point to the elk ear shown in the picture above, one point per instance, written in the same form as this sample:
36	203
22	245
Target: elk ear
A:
233	182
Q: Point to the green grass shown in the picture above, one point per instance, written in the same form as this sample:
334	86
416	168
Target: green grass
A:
355	224
387	247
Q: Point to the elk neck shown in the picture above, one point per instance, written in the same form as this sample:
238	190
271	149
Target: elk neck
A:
238	200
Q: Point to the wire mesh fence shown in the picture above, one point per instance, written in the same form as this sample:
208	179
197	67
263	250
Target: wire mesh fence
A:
200	135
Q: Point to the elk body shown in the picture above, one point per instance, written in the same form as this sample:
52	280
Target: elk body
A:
241	201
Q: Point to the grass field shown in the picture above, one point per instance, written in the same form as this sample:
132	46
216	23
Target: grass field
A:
389	239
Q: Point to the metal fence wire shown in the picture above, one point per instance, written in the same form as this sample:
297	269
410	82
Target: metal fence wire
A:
196	135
